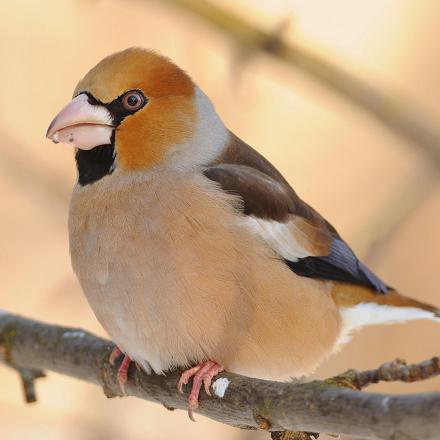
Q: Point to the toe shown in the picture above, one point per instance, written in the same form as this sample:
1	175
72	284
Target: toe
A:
116	352
207	384
191	414
211	373
121	381
193	404
123	373
202	375
180	385
186	376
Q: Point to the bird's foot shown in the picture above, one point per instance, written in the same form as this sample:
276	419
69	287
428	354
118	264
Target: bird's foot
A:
116	352
203	373
123	367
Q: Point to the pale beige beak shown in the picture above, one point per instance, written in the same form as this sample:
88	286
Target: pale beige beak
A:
82	124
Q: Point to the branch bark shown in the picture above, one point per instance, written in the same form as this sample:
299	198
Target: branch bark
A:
317	406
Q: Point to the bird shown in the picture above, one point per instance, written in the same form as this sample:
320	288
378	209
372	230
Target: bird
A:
193	251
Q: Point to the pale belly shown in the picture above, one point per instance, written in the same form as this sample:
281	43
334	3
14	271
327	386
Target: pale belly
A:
154	302
179	280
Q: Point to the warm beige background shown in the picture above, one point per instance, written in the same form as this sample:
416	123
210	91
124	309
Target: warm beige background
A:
350	168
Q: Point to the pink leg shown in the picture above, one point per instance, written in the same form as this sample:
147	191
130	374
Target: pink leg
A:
123	368
123	371
203	374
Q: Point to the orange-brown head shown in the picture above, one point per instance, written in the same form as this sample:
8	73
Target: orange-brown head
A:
136	110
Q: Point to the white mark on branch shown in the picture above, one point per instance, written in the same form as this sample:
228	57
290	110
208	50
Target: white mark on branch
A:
385	404
220	386
74	334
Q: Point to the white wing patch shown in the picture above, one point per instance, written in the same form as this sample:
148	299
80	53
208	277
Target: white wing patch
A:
279	236
365	314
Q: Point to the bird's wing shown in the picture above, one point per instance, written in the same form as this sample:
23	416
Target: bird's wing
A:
309	245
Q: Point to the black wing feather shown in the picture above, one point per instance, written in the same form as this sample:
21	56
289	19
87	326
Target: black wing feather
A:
340	265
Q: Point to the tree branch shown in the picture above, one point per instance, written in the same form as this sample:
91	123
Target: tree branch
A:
318	406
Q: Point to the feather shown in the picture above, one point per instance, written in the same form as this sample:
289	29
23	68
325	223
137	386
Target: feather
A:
309	245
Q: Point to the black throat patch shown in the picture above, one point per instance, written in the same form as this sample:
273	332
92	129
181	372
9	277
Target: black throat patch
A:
98	162
95	163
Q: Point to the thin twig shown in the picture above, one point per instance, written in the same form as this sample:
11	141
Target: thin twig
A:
394	371
28	377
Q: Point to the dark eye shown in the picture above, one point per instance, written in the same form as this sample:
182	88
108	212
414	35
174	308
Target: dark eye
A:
133	100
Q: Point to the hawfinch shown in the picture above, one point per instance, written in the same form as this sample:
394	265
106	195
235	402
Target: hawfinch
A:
191	248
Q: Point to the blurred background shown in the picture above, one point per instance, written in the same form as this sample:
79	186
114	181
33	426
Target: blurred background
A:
349	113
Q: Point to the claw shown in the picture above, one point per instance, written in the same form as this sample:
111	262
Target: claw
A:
202	374
186	376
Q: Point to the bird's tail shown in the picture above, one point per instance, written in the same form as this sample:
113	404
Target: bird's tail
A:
360	306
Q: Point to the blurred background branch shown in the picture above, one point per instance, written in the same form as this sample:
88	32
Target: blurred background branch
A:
395	112
332	405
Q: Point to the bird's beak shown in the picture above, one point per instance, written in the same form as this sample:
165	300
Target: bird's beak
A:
82	124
